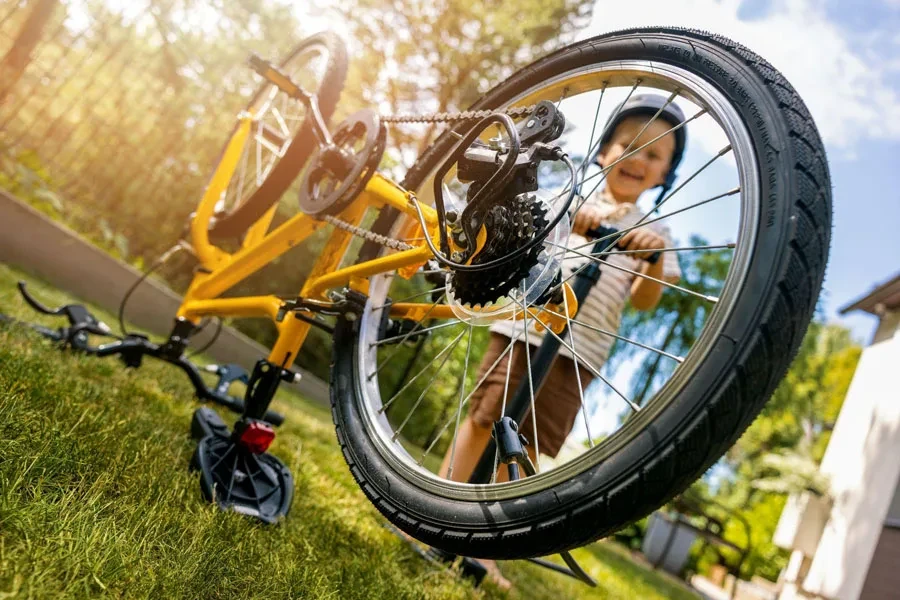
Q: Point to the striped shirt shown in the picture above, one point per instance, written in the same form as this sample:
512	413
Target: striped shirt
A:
604	304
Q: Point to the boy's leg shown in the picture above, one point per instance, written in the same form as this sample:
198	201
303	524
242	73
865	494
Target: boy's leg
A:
471	441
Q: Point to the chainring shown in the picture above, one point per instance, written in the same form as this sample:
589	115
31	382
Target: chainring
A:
510	224
336	176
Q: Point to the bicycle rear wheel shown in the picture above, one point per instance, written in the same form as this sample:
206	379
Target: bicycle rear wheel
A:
282	137
766	159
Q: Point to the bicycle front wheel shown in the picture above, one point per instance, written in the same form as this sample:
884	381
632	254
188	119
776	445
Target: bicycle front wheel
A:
689	377
282	137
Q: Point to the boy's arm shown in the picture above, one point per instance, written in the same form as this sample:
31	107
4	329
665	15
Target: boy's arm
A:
645	294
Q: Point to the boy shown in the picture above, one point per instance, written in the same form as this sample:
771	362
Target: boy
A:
558	401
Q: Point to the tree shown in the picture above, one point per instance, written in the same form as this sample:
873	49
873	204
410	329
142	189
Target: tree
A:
19	55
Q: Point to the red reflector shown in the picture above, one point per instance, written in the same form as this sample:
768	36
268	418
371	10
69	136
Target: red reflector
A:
257	437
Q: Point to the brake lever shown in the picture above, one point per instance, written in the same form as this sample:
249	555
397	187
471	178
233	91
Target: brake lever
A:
35	303
79	317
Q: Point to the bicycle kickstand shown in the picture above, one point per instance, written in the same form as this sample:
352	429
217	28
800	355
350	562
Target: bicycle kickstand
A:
511	452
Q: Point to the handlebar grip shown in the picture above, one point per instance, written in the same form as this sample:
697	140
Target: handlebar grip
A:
602	232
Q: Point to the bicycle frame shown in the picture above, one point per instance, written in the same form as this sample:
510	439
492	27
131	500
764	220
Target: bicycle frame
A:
221	271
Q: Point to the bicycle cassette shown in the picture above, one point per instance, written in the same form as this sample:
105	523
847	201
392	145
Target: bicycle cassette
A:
338	173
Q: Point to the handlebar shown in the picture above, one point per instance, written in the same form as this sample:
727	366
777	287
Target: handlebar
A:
131	349
611	236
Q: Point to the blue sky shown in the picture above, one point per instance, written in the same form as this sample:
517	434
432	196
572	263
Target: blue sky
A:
843	58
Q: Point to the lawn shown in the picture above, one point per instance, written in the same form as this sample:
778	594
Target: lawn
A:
96	499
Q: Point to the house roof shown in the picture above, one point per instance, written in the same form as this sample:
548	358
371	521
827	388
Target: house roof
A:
886	295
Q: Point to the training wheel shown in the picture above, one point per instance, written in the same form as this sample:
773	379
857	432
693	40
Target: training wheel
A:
256	485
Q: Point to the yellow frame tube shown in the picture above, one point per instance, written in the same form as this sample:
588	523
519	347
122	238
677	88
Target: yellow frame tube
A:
248	260
222	270
251	306
209	255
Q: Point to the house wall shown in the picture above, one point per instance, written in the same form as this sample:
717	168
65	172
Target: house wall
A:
863	463
883	579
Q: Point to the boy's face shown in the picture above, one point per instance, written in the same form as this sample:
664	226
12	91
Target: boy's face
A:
644	169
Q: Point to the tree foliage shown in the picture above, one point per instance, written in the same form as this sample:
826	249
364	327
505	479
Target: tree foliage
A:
779	454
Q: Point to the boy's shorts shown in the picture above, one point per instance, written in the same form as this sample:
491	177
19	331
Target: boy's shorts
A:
557	402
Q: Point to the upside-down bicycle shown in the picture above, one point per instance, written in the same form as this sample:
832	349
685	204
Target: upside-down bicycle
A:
477	232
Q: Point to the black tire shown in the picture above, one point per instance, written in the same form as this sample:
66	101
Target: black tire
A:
747	359
237	219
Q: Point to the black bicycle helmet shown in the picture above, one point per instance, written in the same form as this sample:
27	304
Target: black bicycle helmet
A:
649	105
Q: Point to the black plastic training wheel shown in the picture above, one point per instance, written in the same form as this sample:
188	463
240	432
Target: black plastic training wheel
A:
754	184
282	137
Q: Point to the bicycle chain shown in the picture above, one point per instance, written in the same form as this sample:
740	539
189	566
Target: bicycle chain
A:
371	236
440	117
449	117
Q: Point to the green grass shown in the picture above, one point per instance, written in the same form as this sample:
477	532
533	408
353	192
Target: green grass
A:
96	499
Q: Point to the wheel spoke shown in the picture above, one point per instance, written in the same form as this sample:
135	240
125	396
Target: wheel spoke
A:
594	370
462	391
537	450
603	172
239	193
644	222
421	331
611	119
628	148
427	388
414	296
403	339
472	393
728	246
284	127
587	426
639	274
600	330
446	350
584	164
509	364
259	159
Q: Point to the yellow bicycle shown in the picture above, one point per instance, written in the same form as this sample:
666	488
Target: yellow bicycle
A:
478	233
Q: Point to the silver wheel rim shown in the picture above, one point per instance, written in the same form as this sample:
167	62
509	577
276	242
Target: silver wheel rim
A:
663	77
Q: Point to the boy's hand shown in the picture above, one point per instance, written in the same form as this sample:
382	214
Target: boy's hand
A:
642	239
588	217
